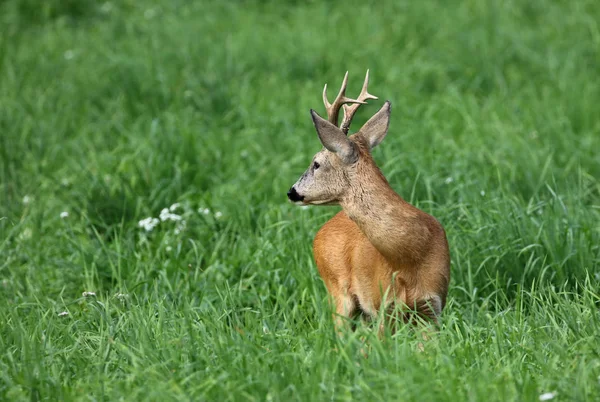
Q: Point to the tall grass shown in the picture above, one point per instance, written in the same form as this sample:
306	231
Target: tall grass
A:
113	111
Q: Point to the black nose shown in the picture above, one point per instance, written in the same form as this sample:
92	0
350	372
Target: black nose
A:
294	196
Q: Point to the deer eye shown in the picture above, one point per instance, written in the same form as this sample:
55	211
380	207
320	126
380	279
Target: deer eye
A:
316	165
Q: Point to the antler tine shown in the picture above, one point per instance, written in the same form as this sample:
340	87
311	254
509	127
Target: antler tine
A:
333	109
349	110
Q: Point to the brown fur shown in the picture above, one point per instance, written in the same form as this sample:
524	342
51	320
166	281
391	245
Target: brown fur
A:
379	252
380	243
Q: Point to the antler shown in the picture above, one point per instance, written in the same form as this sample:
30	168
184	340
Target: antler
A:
333	109
349	110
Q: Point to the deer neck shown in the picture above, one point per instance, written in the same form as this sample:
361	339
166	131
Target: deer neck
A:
382	215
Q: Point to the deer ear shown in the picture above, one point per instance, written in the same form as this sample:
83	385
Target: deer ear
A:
334	140
376	128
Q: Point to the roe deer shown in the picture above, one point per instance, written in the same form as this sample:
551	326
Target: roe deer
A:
379	251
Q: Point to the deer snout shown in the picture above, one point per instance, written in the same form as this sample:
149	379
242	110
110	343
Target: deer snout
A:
294	196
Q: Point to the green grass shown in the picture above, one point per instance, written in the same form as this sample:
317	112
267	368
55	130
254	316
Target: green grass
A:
113	111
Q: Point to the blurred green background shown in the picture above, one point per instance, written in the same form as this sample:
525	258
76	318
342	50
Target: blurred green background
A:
113	111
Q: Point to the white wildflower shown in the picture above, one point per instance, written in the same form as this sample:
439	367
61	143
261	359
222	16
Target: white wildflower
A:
26	200
89	294
448	180
218	214
174	207
547	396
148	224
64	215
69	54
482	193
174	217
63	314
169	248
166	215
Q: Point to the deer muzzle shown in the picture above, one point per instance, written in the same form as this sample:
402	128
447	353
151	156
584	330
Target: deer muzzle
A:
294	196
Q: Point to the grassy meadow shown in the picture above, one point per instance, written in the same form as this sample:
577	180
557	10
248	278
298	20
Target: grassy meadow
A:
111	112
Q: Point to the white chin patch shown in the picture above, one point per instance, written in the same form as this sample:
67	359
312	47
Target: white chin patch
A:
319	202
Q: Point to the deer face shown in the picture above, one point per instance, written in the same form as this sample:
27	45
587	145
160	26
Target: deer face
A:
333	170
324	182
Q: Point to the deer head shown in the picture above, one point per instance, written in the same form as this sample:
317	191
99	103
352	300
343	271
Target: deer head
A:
336	169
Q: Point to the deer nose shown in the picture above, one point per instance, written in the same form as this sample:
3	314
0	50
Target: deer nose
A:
294	196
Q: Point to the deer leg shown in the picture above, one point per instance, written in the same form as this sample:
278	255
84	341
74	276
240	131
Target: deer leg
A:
394	304
430	308
345	308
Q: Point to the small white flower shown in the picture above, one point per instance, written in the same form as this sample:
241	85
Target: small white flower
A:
174	217
69	54
89	294
63	314
448	180
174	207
482	193
218	214
148	224
26	200
64	215
169	248
164	214
547	396
204	211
